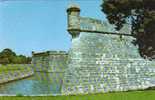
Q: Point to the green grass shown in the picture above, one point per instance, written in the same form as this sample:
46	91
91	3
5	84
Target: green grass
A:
13	67
134	95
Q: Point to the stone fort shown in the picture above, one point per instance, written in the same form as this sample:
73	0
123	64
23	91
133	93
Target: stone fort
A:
99	60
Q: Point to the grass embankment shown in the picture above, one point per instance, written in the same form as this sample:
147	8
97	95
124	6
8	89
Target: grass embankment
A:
134	95
13	67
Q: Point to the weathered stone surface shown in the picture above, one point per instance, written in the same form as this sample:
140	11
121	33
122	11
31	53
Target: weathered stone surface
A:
104	62
50	61
8	76
49	68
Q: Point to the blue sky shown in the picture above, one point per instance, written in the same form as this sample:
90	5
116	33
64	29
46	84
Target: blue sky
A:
40	25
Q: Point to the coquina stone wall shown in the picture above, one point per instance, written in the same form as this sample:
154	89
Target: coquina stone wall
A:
103	61
50	61
49	68
12	76
16	74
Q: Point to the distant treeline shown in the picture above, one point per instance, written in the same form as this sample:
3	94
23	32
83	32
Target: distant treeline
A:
7	56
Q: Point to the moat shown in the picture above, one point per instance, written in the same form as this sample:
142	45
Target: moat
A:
39	84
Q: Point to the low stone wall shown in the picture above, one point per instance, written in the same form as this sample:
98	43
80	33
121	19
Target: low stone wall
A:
12	75
16	75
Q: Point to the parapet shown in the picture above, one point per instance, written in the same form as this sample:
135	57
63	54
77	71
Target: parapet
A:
49	53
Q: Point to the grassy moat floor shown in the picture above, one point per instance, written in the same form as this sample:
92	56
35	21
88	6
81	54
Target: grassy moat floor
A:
134	95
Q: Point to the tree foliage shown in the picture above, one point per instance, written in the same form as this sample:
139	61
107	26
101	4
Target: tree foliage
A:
141	15
7	56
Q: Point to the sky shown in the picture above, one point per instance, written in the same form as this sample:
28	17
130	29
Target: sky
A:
40	25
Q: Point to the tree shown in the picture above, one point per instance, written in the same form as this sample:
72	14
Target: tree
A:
4	61
141	15
29	59
7	56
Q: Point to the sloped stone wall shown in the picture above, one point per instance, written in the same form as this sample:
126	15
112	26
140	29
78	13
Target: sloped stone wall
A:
103	63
